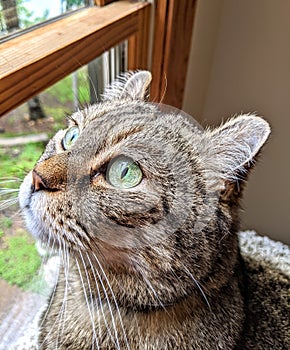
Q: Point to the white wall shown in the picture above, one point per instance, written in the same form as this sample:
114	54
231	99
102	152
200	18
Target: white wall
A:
240	62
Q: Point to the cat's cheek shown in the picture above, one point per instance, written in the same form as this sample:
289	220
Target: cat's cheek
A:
26	205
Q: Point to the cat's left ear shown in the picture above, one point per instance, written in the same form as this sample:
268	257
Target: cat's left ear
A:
235	144
134	86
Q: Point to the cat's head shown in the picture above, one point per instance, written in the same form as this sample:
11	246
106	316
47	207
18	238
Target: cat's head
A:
145	191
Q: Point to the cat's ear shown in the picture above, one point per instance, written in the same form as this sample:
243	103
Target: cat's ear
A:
134	86
235	144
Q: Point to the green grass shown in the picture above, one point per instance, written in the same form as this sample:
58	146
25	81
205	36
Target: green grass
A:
58	114
18	161
63	91
5	222
19	261
7	134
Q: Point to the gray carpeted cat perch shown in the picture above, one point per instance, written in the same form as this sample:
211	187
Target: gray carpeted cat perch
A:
268	282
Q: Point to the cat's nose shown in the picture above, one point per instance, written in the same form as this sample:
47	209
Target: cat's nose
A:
37	182
50	174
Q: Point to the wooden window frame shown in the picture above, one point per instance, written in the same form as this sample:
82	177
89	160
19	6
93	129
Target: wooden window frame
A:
173	29
31	62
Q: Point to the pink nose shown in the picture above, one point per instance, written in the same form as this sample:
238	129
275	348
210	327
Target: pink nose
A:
37	182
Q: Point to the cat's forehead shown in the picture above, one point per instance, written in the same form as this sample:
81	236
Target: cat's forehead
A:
105	112
135	129
119	115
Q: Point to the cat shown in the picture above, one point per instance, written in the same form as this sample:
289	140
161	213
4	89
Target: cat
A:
142	204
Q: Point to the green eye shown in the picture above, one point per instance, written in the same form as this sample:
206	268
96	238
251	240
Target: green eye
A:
123	172
70	137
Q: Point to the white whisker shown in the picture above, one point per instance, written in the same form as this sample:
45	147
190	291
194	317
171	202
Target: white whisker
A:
4	190
115	301
165	88
66	268
4	180
93	87
61	312
108	302
15	214
54	288
149	284
100	300
200	289
6	203
91	310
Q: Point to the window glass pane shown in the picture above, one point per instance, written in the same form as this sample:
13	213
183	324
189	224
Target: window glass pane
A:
21	14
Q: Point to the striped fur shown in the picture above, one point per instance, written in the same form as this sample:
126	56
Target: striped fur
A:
156	266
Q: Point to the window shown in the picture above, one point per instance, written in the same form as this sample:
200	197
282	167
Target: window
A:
31	62
18	15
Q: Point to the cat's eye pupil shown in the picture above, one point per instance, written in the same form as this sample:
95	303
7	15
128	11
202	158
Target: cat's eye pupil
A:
70	137
123	172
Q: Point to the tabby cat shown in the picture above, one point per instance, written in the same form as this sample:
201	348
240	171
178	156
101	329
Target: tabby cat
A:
142	205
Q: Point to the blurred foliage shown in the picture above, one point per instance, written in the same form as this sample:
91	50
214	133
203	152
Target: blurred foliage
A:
64	93
26	17
17	161
19	260
5	222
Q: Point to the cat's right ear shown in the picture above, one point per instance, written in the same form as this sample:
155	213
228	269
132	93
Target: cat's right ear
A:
133	86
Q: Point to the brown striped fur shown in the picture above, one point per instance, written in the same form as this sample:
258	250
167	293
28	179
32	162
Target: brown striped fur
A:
156	266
